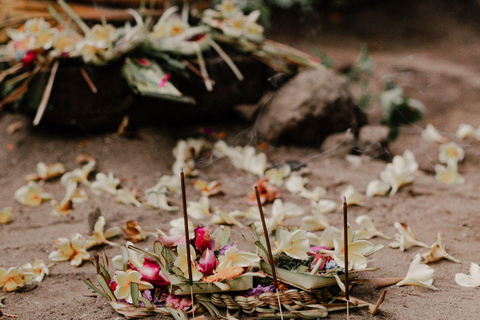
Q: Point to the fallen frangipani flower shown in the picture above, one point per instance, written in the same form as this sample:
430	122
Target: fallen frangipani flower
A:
243	158
39	270
316	221
377	188
72	250
172	183
221	217
14	278
431	134
326	238
400	172
126	196
275	176
46	172
31	194
268	193
252	213
100	236
294	244
451	154
66	205
208	189
367	229
185	153
280	212
469	280
134	232
181	262
296	183
157	198
6	215
448	174
405	238
465	131
323	206
419	275
199	210
358	250
123	281
178	226
104	184
79	175
353	198
236	258
316	194
438	252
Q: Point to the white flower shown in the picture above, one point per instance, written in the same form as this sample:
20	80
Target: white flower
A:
419	275
235	258
431	134
39	269
185	153
178	226
252	213
14	279
126	196
99	235
471	280
275	176
6	215
294	244
66	205
400	172
323	206
221	217
316	194
47	172
254	163
296	183
70	249
326	238
199	210
79	175
172	183
438	252
451	154
353	198
377	188
104	184
288	209
357	251
123	281
405	238
181	261
157	198
134	257
315	222
465	131
222	237
368	229
449	174
31	194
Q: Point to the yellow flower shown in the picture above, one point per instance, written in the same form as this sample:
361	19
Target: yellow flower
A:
39	269
70	249
31	194
208	189
181	261
235	258
6	215
294	244
124	279
100	235
419	275
14	279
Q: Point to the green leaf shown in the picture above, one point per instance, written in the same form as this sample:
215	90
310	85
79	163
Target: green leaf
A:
90	284
135	293
147	302
106	288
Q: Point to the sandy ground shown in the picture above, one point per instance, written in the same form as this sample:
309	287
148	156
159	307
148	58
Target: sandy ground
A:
444	74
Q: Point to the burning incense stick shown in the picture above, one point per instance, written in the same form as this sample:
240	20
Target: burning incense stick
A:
269	248
187	239
345	251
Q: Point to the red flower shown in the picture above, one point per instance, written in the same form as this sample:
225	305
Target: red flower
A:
29	57
203	240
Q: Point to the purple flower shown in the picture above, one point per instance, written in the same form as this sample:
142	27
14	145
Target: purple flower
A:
224	249
259	290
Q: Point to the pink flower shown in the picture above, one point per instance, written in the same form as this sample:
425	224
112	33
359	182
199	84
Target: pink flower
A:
151	272
207	263
171	241
203	240
178	302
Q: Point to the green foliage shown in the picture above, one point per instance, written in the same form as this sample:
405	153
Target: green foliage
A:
361	72
288	263
325	59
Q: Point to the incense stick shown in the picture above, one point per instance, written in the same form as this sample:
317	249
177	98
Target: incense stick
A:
345	251
46	94
187	238
88	80
269	249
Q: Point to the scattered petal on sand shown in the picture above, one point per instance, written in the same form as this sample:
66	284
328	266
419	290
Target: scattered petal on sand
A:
178	226
448	175
469	280
353	198
157	197
315	222
105	184
438	252
296	183
31	195
405	238
323	206
100	236
419	275
134	232
465	131
268	193
128	197
451	154
46	172
275	176
39	269
287	209
243	158
431	135
377	188
66	205
199	210
6	215
208	189
221	217
367	229
79	175
14	278
72	250
294	244
400	172
316	194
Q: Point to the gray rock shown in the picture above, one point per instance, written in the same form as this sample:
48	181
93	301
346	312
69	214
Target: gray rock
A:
310	107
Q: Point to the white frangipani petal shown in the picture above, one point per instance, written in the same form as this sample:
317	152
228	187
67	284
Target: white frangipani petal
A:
326	239
419	275
316	194
104	184
294	244
465	131
431	134
377	188
199	210
353	198
471	280
400	172
437	252
31	194
367	229
451	154
405	238
448	175
296	183
275	176
127	196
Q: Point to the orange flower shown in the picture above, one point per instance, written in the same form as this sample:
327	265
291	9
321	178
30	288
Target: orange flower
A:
226	273
268	193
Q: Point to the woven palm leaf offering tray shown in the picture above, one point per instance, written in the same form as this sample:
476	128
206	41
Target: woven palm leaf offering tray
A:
125	70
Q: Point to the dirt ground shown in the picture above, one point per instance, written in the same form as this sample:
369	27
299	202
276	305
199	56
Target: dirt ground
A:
439	67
